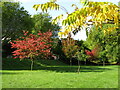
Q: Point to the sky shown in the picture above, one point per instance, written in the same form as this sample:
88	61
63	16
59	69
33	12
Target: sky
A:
28	5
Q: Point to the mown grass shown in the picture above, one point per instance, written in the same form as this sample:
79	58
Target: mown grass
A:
55	74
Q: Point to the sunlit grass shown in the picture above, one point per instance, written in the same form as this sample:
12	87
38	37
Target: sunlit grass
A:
59	75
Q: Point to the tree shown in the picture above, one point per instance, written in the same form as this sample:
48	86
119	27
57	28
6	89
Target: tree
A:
69	48
14	20
30	46
93	54
42	22
110	45
81	56
107	42
101	12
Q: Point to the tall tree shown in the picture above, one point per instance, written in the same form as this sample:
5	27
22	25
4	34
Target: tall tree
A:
14	20
42	22
107	41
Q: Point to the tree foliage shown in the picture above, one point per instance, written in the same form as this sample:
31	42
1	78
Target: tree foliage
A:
101	12
30	46
42	22
93	54
48	5
107	42
14	20
69	47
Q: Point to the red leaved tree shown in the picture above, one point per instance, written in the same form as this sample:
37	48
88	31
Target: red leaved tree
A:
94	53
31	46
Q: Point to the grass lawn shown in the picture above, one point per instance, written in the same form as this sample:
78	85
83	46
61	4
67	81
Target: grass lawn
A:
55	74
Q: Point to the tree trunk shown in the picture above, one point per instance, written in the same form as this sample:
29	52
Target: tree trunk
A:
78	66
31	64
103	63
70	62
85	62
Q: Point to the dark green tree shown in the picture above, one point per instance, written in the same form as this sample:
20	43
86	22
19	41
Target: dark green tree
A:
42	22
14	20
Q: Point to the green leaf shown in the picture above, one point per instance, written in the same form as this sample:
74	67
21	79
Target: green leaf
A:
84	2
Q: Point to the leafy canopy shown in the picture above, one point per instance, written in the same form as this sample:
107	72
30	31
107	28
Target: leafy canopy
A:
69	47
107	41
42	22
14	20
101	12
31	45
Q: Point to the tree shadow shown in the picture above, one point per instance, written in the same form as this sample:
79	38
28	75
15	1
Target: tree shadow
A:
73	69
3	73
63	69
25	65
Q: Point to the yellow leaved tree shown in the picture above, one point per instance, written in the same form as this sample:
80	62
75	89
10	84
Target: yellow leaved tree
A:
101	12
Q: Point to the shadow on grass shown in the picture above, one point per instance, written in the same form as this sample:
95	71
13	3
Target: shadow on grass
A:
9	73
63	69
74	69
48	65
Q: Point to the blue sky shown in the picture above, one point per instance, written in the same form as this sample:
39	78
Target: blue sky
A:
28	4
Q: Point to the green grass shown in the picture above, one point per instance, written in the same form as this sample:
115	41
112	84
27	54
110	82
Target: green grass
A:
55	74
